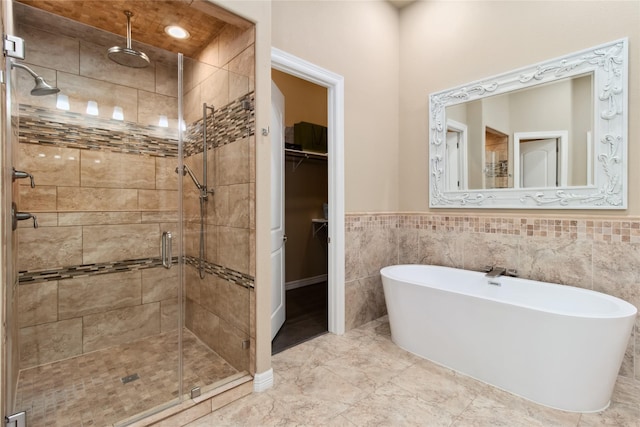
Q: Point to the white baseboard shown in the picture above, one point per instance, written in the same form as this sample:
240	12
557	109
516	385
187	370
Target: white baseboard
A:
263	381
307	281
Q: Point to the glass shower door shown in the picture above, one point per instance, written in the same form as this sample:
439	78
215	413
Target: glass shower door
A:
110	324
99	316
219	225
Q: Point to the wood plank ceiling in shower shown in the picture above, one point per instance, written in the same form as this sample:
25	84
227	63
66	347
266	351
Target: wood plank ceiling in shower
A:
203	20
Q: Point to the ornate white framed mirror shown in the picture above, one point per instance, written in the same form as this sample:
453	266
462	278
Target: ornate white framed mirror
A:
552	135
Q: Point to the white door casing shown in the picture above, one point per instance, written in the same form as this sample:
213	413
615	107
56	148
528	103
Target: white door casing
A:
278	299
457	155
452	180
290	64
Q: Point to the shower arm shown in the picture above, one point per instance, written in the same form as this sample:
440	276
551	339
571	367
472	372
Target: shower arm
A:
24	67
129	15
185	171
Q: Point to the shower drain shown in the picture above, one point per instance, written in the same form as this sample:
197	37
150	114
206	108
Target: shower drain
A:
129	378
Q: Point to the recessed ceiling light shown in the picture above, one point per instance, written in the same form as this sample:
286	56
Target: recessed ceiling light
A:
177	32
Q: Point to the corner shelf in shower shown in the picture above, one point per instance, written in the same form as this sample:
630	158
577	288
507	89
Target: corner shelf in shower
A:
303	155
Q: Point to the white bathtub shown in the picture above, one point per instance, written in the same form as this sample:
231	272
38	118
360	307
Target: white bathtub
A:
556	345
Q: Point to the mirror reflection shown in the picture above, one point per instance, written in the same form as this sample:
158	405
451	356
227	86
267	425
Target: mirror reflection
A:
549	135
536	137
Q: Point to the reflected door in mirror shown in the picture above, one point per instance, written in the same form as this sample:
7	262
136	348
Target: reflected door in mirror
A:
538	163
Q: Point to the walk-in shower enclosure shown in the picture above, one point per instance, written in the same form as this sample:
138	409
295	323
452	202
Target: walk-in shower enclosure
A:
107	316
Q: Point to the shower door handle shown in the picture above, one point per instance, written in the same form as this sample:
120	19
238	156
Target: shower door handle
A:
166	249
18	419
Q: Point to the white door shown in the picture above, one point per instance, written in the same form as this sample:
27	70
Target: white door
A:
278	238
538	163
453	160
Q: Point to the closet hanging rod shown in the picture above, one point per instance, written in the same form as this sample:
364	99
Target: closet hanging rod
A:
303	155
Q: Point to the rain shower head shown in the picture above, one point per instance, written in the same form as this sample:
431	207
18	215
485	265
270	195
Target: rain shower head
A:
41	88
125	55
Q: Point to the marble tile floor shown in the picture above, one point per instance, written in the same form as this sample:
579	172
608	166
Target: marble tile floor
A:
363	379
87	390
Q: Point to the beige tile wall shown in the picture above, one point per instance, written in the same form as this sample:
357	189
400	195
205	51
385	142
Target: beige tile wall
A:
64	318
91	204
95	206
90	218
592	253
217	312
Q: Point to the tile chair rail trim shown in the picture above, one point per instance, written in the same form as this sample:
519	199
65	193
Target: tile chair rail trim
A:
69	272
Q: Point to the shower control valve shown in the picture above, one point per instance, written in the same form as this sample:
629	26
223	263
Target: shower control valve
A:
21	216
20	174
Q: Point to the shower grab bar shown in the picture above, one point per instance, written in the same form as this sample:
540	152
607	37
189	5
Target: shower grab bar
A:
166	249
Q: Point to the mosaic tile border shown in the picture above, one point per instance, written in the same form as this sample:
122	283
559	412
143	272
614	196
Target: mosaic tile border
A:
51	274
43	126
62	273
228	124
224	273
625	230
74	130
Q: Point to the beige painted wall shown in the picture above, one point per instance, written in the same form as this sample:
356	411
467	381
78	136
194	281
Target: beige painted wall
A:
436	54
304	101
358	40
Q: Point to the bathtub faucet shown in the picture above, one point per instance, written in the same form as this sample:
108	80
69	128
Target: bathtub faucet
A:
499	271
494	271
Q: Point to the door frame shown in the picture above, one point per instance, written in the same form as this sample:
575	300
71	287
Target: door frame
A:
463	164
290	64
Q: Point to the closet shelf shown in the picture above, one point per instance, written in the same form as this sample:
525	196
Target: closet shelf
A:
303	155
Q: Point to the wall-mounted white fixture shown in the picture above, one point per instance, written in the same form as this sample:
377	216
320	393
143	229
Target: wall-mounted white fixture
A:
163	122
118	114
92	108
62	102
177	32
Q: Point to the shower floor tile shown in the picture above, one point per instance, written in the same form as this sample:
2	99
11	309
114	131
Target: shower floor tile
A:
88	390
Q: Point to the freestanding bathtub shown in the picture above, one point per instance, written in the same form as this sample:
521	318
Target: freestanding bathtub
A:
556	345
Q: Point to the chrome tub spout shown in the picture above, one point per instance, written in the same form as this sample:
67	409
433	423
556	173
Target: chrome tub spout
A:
495	272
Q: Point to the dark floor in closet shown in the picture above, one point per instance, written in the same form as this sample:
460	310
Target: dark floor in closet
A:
306	316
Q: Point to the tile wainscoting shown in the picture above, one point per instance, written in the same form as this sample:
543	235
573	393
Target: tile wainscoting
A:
588	252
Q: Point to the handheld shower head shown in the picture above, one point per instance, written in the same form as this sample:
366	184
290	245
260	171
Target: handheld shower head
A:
42	87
